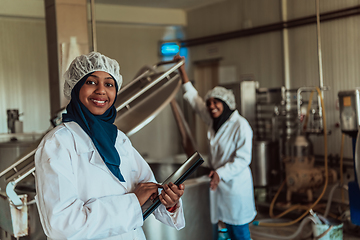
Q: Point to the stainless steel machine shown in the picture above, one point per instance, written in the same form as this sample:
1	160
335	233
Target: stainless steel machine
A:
349	102
281	146
137	104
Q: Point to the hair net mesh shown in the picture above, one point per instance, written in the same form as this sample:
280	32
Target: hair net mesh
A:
88	63
224	94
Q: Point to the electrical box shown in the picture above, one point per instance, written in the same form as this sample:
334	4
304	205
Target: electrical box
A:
349	102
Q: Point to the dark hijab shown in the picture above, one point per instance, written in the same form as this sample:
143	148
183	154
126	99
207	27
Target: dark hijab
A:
100	128
219	121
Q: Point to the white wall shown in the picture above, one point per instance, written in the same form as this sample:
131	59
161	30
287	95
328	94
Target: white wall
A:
24	73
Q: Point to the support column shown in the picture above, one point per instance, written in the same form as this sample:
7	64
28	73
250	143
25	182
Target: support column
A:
67	37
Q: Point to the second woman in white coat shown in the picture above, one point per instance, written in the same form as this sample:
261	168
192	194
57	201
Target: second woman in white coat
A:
230	143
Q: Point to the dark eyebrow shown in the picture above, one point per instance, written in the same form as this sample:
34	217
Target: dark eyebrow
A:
92	75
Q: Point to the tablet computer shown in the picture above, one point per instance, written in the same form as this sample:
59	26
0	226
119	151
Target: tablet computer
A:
178	177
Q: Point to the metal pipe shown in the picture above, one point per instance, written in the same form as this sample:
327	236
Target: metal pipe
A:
305	89
285	38
27	173
347	12
93	27
321	78
12	167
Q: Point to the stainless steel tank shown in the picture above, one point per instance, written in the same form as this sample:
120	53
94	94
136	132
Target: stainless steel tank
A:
196	207
265	164
12	146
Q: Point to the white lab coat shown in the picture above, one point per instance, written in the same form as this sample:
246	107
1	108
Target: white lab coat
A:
79	198
230	155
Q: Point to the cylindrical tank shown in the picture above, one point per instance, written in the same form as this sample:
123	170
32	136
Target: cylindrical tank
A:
301	175
196	207
265	164
300	147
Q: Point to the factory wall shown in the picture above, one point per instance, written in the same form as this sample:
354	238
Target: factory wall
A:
261	56
24	73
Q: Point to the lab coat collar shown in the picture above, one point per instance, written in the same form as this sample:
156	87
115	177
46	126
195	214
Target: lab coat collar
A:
84	144
81	145
231	119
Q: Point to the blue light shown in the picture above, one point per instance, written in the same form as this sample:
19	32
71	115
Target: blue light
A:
169	49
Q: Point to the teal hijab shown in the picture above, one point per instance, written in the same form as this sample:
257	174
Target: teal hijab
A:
100	128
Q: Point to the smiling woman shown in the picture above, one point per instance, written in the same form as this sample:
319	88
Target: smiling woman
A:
91	183
98	92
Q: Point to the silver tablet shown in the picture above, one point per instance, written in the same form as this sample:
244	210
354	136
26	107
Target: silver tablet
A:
178	177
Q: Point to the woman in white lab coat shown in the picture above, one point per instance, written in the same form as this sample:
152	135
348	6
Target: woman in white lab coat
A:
230	142
91	183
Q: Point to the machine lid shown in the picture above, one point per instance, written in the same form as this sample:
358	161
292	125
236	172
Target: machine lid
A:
143	99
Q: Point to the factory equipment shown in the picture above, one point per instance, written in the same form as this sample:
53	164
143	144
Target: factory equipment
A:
301	174
281	146
137	104
265	164
13	122
349	102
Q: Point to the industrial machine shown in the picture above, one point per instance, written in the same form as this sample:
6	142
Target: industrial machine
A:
349	102
137	104
282	148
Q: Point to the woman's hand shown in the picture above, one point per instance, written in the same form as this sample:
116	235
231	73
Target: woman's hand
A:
215	179
182	71
144	191
171	194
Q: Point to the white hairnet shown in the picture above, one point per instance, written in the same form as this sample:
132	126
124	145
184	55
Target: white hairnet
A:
88	63
224	94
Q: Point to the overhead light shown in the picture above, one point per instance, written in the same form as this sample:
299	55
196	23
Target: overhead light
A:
169	48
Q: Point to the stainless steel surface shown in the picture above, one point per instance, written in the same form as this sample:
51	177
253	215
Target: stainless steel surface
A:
319	108
13	220
300	146
349	103
16	151
248	101
245	97
276	114
144	82
196	207
265	164
135	113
